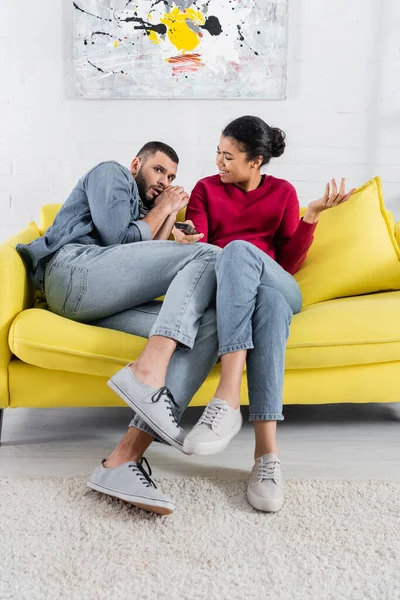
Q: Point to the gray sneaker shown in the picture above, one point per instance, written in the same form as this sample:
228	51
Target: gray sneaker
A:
155	406
265	490
218	424
131	483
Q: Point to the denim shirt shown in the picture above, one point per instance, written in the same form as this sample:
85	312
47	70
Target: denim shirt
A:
104	208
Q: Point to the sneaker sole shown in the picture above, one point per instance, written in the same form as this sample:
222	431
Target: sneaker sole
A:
264	504
207	448
128	400
159	507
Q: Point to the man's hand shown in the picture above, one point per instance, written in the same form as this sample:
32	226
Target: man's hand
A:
172	199
330	199
182	238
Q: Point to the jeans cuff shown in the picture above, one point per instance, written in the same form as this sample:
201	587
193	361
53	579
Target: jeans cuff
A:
174	335
138	423
266	417
235	348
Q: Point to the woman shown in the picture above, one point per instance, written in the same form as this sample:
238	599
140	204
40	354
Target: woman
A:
255	219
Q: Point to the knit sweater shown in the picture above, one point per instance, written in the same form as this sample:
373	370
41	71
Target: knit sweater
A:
267	217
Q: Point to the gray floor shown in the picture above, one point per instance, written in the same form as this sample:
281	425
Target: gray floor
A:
329	442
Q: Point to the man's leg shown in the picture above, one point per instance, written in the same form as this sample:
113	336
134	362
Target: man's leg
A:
187	371
90	283
122	475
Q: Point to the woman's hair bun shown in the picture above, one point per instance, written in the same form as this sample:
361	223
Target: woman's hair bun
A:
277	142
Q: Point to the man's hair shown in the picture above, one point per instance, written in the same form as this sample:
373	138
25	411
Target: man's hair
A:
151	148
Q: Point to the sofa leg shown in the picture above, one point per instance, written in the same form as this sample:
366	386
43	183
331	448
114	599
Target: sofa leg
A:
1	421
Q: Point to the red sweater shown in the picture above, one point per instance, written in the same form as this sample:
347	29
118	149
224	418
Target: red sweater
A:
267	217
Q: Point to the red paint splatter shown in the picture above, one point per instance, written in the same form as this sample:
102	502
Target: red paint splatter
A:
188	63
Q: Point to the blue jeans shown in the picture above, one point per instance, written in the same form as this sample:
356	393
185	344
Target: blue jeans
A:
187	369
115	286
256	300
86	283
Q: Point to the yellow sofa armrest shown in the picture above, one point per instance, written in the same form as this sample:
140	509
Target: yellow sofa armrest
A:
16	295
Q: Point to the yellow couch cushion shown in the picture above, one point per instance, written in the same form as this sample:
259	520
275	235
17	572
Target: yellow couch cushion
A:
357	330
354	251
44	339
350	331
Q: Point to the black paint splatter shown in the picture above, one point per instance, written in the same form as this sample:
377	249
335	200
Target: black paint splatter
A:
212	25
91	14
111	36
102	70
158	28
166	4
242	39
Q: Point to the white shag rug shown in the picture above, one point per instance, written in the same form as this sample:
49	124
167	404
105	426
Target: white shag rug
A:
332	540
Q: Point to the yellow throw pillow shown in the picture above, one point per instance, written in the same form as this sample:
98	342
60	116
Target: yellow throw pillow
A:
354	251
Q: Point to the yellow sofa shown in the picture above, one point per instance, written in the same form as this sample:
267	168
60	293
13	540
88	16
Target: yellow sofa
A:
341	350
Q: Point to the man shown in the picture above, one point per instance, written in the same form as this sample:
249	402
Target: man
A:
103	261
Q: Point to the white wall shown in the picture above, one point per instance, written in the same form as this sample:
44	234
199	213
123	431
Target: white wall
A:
342	114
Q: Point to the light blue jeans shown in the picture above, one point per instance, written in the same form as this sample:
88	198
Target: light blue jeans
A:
188	369
86	283
115	286
256	300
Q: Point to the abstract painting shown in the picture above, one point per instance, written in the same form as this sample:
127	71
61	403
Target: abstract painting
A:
181	48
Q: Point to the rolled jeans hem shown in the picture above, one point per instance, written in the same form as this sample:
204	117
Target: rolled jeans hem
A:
235	348
138	423
266	417
174	335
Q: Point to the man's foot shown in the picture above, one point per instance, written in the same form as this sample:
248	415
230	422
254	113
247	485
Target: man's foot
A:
131	483
265	489
155	406
218	424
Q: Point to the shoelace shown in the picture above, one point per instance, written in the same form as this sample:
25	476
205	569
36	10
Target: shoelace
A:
269	471
165	394
141	473
213	413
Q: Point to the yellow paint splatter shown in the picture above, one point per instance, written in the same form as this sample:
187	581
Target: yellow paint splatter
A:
179	33
153	37
115	44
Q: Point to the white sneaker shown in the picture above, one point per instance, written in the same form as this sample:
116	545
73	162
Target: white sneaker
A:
265	490
133	484
218	424
155	406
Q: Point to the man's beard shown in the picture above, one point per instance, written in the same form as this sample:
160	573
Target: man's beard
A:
142	187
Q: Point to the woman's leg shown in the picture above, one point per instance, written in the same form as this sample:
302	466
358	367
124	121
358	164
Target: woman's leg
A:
266	365
265	371
242	270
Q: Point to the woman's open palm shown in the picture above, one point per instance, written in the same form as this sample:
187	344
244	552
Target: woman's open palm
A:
332	197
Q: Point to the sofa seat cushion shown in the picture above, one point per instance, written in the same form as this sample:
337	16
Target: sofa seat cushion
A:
350	331
357	330
44	339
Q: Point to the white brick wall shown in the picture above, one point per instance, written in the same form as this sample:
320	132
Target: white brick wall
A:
342	114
